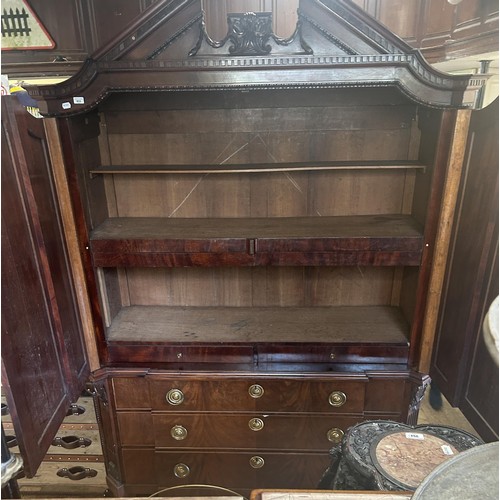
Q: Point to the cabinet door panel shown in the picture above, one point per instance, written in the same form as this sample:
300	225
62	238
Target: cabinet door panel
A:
44	364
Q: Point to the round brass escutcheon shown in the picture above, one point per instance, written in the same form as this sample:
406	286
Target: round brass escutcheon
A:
256	462
335	435
178	432
175	397
181	471
256	424
337	398
256	391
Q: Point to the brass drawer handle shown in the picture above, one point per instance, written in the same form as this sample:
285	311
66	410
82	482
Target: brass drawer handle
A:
256	391
181	471
71	442
178	432
335	435
175	397
337	398
75	409
76	473
256	462
256	424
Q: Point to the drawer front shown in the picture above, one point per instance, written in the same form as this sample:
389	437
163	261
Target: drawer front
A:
131	393
334	395
69	442
229	469
68	473
244	431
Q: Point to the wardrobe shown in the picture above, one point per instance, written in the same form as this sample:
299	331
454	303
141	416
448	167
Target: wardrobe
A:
238	245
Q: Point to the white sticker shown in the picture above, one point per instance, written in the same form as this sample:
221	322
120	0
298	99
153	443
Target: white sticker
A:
447	450
66	105
414	435
5	85
79	100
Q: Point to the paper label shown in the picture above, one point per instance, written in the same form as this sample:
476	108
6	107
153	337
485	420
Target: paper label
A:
447	450
66	105
414	435
5	85
79	100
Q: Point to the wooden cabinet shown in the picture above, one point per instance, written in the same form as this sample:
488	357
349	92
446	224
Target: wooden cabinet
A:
239	429
261	225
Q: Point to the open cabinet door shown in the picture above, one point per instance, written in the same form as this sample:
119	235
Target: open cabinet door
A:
462	367
44	364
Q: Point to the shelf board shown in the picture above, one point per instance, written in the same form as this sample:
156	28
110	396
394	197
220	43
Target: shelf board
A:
256	167
343	240
238	334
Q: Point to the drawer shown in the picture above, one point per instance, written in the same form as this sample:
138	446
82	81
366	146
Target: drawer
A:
81	412
234	470
84	442
83	474
243	431
284	394
69	442
131	392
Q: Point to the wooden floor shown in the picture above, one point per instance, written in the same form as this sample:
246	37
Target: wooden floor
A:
446	415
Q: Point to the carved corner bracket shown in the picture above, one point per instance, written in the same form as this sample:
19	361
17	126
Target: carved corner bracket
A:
249	34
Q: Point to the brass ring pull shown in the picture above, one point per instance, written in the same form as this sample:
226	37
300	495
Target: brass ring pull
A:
335	435
256	391
178	432
175	397
181	471
76	473
337	398
256	462
71	442
256	424
75	409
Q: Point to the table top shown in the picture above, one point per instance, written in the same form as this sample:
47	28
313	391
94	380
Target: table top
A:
328	495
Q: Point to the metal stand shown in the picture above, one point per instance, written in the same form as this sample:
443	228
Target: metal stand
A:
11	466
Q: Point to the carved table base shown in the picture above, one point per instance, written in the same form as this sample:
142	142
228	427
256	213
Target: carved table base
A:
386	455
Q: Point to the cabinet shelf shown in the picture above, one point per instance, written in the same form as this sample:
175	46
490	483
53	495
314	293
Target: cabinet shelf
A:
344	240
238	334
256	167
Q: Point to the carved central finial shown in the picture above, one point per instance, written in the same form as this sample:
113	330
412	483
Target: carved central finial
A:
249	33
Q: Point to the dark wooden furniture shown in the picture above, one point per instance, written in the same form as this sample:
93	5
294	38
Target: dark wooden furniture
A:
462	367
79	27
389	456
257	230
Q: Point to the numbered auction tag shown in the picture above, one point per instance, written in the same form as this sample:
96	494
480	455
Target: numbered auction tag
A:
447	449
414	435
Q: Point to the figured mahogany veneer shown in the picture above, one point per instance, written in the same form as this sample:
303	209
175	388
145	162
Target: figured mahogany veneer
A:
259	334
348	240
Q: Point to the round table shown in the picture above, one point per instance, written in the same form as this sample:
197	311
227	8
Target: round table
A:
387	455
470	475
